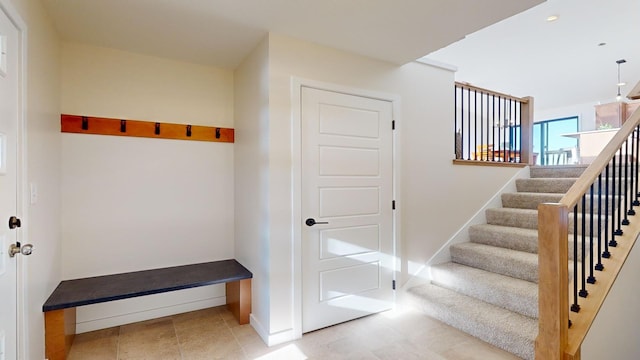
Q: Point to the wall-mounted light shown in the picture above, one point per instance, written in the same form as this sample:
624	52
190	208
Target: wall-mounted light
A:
621	61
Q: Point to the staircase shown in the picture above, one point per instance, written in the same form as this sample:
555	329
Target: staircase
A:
489	288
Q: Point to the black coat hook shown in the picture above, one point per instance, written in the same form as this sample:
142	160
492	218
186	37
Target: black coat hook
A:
188	130
85	123
217	133
157	131
123	126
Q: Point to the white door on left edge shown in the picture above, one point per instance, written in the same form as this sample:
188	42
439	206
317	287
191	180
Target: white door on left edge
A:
347	189
8	184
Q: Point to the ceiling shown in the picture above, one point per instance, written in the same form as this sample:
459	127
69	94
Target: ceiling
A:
558	63
223	32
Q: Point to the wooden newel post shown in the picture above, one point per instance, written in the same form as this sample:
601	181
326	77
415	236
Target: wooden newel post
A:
526	127
553	283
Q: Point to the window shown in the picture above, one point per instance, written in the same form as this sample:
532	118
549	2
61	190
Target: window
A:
553	148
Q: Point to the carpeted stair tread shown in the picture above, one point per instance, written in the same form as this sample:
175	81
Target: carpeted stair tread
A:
545	185
523	218
567	171
513	238
528	200
510	293
526	218
505	329
517	264
531	200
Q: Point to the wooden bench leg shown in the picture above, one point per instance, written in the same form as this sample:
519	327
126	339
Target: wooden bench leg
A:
59	331
239	299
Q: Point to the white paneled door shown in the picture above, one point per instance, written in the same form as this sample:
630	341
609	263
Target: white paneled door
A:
8	181
347	215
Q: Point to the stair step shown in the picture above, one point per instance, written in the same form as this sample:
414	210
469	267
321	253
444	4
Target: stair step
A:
513	238
531	200
505	329
527	219
506	237
522	218
517	264
566	171
500	290
545	185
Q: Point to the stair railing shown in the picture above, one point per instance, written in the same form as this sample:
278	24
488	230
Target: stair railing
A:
595	221
492	128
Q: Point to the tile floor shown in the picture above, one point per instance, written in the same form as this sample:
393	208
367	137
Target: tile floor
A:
215	334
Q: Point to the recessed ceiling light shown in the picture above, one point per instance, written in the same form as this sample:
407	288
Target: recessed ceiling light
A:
551	18
622	83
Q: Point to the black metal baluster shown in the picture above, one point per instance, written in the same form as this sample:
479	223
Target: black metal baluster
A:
499	120
475	119
481	120
510	107
636	202
607	198
575	307
469	124
488	129
493	122
625	221
631	177
599	265
583	290
455	121
591	279
617	191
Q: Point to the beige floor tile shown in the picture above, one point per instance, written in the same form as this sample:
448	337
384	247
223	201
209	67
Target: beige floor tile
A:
96	345
211	348
475	349
406	351
245	334
215	334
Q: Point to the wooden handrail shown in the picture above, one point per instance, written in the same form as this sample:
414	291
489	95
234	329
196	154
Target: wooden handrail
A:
555	341
468	86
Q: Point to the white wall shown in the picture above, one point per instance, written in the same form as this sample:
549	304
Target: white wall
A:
137	203
586	113
427	179
41	225
251	182
614	333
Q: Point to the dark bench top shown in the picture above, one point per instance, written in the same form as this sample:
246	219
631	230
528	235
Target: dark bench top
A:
93	290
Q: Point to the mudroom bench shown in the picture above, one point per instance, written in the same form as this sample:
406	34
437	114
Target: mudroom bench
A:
60	309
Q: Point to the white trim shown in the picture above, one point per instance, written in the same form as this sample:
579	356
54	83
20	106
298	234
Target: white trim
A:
296	192
22	331
438	64
148	314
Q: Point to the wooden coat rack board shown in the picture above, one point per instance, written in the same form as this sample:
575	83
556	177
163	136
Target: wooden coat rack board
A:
149	129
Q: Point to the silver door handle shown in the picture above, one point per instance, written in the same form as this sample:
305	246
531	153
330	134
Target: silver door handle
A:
16	249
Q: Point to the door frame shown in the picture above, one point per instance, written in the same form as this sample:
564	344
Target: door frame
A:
296	179
21	175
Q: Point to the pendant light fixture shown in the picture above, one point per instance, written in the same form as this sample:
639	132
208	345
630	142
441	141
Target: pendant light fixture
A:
621	61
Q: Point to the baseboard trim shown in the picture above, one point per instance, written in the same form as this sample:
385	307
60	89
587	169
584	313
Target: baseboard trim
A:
107	322
272	339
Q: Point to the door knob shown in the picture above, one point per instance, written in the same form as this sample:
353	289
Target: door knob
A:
16	249
14	222
312	221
